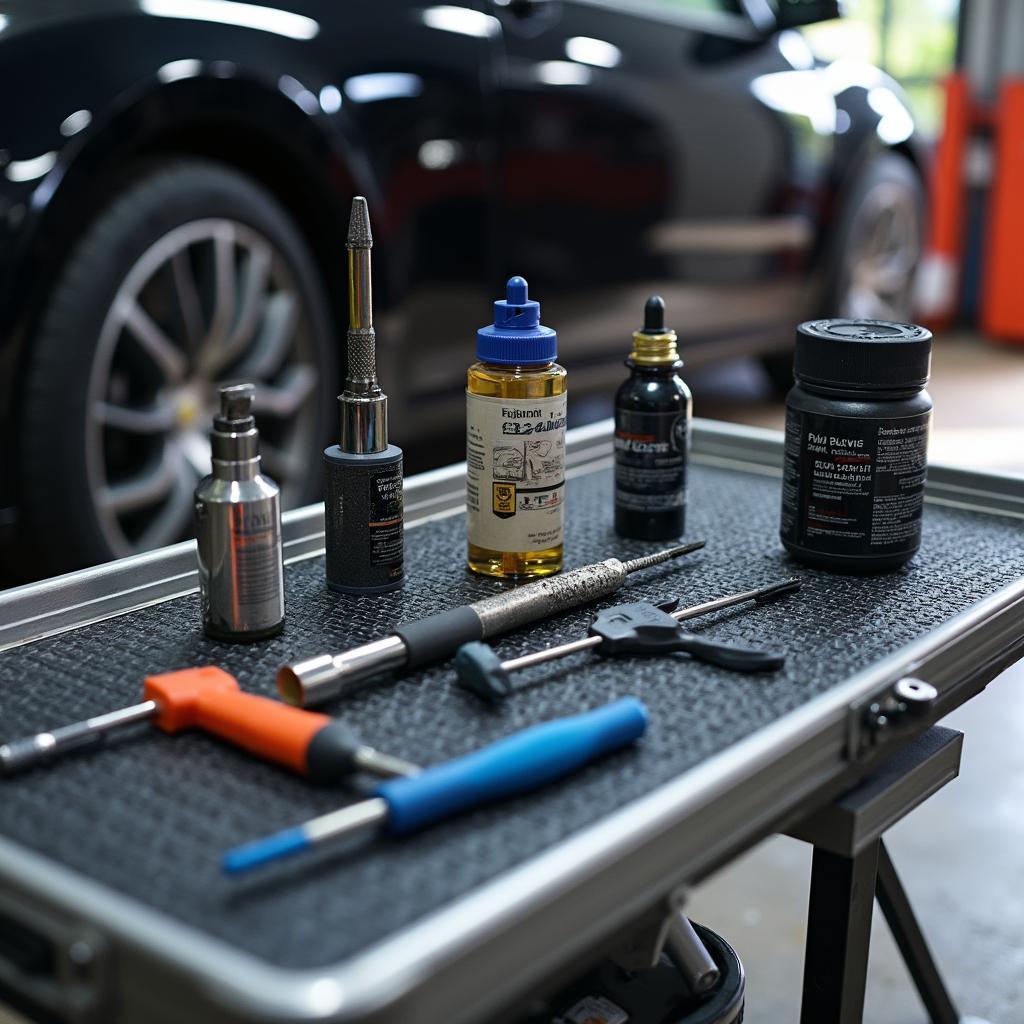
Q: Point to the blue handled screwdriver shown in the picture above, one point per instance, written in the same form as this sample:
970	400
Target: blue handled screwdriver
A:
516	764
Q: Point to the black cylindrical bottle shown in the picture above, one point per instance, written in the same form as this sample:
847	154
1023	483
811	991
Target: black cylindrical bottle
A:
857	424
363	520
652	435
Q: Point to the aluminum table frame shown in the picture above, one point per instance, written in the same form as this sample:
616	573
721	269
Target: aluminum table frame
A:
479	954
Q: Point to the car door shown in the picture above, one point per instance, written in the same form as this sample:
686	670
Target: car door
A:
637	154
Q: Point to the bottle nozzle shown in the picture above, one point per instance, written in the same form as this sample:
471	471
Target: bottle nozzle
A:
234	437
654	344
516	291
236	401
654	315
517	311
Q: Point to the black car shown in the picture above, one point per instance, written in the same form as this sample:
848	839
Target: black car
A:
175	178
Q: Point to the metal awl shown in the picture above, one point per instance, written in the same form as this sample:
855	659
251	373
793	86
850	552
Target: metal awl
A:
439	636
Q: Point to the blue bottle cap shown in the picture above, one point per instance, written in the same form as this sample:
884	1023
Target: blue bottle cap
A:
517	336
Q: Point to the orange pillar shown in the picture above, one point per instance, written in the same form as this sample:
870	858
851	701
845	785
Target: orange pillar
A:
939	282
1002	293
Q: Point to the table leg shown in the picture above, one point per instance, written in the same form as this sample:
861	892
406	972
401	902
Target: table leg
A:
911	942
838	936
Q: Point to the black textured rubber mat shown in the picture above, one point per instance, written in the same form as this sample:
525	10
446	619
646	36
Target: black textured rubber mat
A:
151	814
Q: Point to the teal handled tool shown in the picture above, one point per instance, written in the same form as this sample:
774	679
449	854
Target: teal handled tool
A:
639	628
517	764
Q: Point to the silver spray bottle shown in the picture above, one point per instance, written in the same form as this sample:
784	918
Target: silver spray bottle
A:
238	526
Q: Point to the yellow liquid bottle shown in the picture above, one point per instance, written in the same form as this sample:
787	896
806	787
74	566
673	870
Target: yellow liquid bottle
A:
515	444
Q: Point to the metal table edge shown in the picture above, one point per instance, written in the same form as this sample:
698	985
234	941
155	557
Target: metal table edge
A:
52	606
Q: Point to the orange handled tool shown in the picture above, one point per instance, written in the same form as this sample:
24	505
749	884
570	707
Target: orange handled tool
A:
208	698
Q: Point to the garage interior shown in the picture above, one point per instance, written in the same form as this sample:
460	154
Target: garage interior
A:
961	853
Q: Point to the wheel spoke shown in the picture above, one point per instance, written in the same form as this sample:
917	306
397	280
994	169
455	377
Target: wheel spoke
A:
165	355
157	419
225	298
865	303
196	449
252	301
280	316
170	523
188	298
870	275
283	400
254	296
145	490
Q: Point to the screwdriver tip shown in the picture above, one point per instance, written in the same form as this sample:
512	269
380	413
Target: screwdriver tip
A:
777	589
263	851
359	236
666	554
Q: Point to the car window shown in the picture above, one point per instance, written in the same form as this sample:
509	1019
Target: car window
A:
691	5
711	15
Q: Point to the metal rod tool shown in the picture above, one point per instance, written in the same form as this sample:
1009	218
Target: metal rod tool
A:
363	517
517	764
314	745
439	636
626	629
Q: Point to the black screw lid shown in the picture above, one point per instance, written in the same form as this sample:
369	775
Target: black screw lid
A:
863	354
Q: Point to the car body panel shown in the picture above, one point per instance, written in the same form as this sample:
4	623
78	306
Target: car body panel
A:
705	161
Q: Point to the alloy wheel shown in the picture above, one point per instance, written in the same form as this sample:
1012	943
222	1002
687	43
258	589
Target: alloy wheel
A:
882	256
211	302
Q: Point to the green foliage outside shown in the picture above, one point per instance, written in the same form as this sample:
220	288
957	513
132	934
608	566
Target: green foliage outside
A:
914	40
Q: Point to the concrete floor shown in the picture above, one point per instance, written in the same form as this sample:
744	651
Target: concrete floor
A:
961	854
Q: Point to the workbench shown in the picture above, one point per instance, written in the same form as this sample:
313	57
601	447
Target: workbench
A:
111	858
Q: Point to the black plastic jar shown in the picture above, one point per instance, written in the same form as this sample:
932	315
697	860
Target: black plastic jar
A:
857	425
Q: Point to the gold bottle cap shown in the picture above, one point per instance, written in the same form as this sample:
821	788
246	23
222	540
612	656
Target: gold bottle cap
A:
654	344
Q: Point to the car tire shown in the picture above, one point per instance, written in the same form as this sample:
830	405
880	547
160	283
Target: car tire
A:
873	252
194	275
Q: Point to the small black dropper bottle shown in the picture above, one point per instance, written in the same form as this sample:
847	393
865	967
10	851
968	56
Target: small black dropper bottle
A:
652	434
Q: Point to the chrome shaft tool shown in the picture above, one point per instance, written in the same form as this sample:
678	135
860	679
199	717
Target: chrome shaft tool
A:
627	629
439	636
363	471
321	748
517	764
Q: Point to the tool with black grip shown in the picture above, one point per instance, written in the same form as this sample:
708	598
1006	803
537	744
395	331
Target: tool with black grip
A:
319	747
639	628
439	636
517	764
